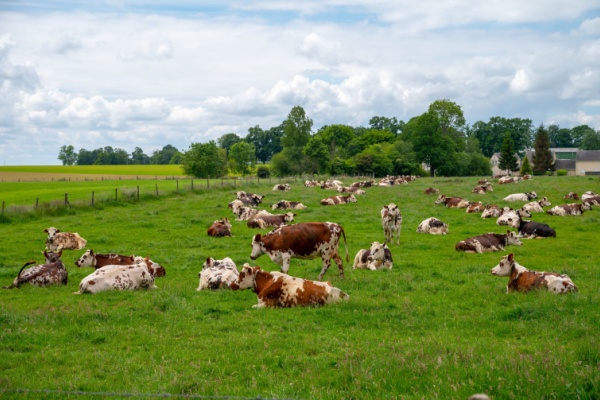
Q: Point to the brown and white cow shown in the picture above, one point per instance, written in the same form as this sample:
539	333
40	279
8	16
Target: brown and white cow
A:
118	277
488	242
491	211
306	240
363	184
155	269
391	221
220	228
266	221
537	206
217	274
351	189
569	209
275	289
508	179
483	182
433	226
282	187
378	256
253	199
592	201
335	200
92	259
482	189
288	205
331	184
571	196
523	280
521	196
452	202
245	213
58	240
474	207
311	183
431	190
587	195
52	272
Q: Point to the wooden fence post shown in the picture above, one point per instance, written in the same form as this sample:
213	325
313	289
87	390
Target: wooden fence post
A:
157	190
116	191
2	206
67	200
177	185
37	201
208	182
138	192
192	184
92	199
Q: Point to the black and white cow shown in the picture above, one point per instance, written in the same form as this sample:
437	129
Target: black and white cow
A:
488	242
378	256
433	226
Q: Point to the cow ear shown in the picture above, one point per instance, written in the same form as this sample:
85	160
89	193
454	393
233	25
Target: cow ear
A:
257	237
511	257
46	230
58	231
91	252
60	253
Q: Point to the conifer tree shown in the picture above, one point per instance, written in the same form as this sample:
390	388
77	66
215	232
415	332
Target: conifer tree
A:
508	160
526	167
542	158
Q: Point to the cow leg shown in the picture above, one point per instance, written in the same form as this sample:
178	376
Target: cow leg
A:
285	263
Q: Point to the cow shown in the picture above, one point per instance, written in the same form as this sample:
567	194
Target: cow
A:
508	179
521	196
537	206
245	213
483	182
512	218
335	200
350	189
391	221
52	272
306	240
587	195
93	259
220	228
569	209
363	184
523	280
331	184
217	274
482	189
275	289
592	201
253	199
431	190
282	187
118	277
571	196
452	202
488	242
265	221
527	177
311	183
474	207
531	230
58	240
378	256
491	211
288	205
433	226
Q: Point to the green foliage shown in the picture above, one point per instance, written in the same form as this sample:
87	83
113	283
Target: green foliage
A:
167	155
591	141
386	124
263	171
67	155
542	158
205	160
227	141
526	167
267	143
561	172
491	134
508	159
317	154
242	157
296	129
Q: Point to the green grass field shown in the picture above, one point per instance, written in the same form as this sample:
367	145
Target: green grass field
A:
438	325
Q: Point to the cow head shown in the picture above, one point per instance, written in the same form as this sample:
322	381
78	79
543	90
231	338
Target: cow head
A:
531	195
87	259
439	230
280	205
52	231
155	269
544	202
289	217
441	199
52	256
505	266
257	247
513	239
351	199
246	278
209	263
523	213
377	251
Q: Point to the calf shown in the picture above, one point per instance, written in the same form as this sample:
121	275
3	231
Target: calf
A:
474	207
391	221
118	277
307	240
452	202
92	259
52	272
571	196
488	242
537	206
288	205
335	200
431	190
530	230
220	228
58	240
265	221
279	290
521	196
378	256
433	226
523	280
592	201
282	186
569	209
217	274
350	189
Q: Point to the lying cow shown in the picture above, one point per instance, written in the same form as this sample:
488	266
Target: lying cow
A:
311	183
245	213
96	260
391	221
482	189
508	179
521	196
335	200
378	256
220	228
52	272
288	205
118	277
363	184
282	187
474	206
491	211
511	217
266	221
569	209
571	196
537	206
253	199
452	202
431	190
592	201
351	189
523	280
531	230
331	184
587	195
488	242
217	274
275	289
307	240
58	240
433	226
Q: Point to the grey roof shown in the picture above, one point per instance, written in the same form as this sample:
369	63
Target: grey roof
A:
565	149
568	165
588	155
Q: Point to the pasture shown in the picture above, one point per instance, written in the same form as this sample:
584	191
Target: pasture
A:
438	325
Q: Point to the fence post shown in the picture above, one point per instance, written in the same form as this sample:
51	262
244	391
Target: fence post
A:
116	191
67	200
157	190
177	185
37	200
2	206
92	199
208	182
138	192
192	184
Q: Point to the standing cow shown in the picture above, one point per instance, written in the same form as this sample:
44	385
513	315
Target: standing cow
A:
307	240
391	221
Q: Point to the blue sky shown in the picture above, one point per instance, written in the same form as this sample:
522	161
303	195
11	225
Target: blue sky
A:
146	74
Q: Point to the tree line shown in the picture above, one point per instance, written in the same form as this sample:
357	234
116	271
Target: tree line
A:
440	139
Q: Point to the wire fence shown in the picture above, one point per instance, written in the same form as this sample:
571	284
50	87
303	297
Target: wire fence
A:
65	393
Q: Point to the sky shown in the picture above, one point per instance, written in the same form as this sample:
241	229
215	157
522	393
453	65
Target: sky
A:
147	74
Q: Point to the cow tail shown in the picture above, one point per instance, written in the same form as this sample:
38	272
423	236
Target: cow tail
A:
345	244
19	275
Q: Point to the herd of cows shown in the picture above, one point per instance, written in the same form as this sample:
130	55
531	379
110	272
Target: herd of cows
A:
311	240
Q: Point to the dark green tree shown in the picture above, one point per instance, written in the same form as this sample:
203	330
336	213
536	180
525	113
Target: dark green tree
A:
318	155
296	129
67	155
228	140
204	160
542	159
578	133
242	157
164	156
85	157
491	134
508	159
266	142
138	157
526	167
336	138
591	140
386	124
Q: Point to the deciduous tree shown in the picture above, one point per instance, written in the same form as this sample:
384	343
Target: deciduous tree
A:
242	157
204	160
67	155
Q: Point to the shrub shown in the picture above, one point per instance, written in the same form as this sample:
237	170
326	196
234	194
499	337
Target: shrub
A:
561	172
262	171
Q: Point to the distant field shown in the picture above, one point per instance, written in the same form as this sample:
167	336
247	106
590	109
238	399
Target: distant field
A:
83	172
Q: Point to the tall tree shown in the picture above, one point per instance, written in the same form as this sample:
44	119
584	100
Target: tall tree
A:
430	145
578	133
450	119
386	124
228	140
542	159
204	160
67	155
296	128
491	134
318	154
336	138
85	157
242	157
165	155
591	140
266	142
508	159
138	157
